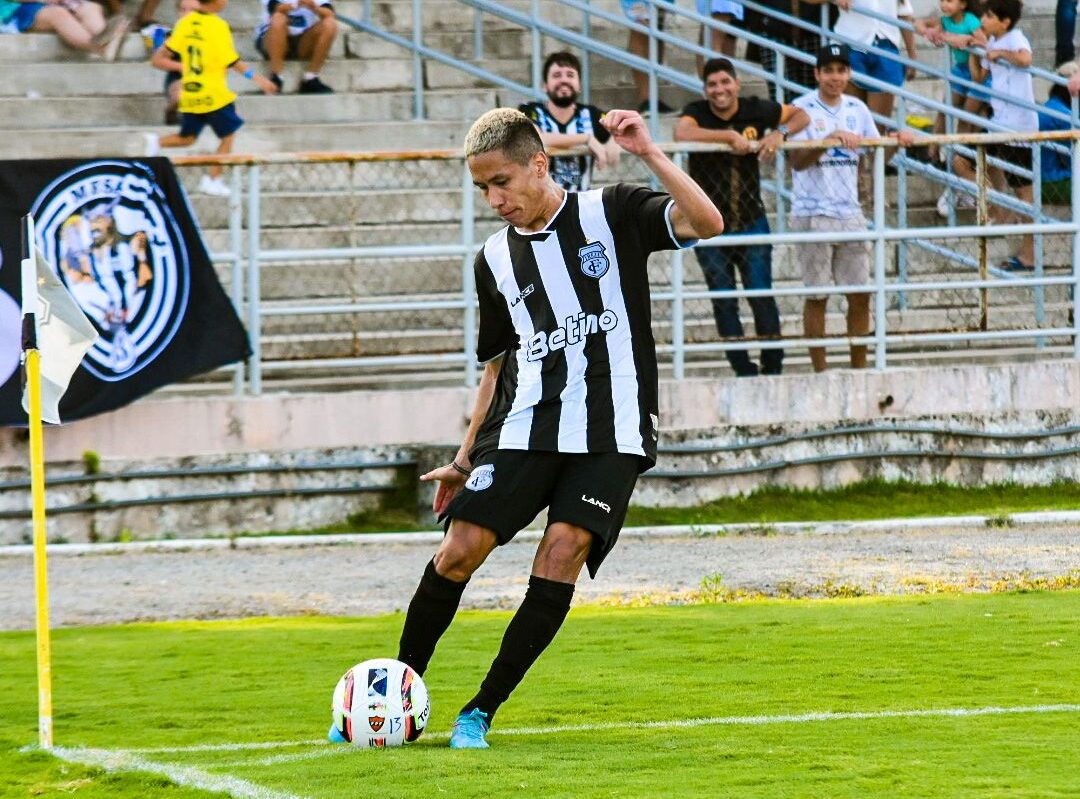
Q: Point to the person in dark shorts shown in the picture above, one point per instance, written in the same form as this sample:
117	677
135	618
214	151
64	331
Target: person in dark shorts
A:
566	415
200	47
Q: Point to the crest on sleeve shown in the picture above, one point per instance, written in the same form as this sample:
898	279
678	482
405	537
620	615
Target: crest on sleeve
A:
594	259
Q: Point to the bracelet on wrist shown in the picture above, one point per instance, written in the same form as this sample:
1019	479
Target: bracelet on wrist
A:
460	469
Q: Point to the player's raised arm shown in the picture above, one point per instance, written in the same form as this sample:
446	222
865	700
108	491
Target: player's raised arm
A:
694	215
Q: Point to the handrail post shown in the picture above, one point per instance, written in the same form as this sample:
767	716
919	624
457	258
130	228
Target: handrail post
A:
236	248
586	71
418	64
678	307
879	258
254	289
654	89
1076	242
982	214
901	210
478	34
537	46
780	165
468	276
1037	217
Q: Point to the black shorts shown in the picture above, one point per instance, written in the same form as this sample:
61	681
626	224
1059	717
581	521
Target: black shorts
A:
509	487
1017	156
292	47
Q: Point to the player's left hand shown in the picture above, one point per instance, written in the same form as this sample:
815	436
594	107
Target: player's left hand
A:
451	481
629	131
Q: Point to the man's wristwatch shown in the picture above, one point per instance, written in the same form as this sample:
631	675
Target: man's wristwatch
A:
783	130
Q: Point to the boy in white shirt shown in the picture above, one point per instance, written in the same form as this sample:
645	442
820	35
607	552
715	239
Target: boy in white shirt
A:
826	199
1008	55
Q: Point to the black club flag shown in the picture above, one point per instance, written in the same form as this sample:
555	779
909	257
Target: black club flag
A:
122	239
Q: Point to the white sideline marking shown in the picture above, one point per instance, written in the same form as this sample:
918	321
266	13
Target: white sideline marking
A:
117	760
803	718
428	538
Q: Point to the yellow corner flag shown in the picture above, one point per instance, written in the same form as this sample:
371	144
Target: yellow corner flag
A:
51	319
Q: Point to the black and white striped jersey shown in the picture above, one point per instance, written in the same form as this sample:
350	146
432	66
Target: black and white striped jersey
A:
569	307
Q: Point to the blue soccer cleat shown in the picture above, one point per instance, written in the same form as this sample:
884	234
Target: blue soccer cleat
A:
335	736
469	730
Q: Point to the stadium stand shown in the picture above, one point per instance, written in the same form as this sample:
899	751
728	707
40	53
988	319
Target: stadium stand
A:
66	106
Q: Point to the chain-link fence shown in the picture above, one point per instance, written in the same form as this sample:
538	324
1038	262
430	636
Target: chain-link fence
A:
356	270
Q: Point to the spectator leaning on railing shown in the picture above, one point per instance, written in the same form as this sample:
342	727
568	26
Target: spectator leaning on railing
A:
1007	58
754	128
563	122
826	199
78	23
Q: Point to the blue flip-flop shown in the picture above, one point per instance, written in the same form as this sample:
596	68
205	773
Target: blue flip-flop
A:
1014	264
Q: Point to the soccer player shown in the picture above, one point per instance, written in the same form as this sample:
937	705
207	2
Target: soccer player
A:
566	411
201	49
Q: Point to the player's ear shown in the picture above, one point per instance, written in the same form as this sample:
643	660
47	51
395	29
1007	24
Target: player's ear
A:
540	164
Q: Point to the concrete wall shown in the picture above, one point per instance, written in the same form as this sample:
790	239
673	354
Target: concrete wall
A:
206	426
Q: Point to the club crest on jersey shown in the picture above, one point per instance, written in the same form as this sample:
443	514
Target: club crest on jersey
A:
594	260
481	478
107	230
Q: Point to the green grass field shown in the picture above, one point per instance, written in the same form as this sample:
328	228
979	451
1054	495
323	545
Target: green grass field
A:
739	669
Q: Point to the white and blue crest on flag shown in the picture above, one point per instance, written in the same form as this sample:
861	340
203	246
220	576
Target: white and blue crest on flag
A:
594	259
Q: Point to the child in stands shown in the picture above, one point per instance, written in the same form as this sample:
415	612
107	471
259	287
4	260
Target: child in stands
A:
201	48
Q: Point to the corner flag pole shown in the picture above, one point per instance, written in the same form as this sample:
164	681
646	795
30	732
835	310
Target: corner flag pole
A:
32	364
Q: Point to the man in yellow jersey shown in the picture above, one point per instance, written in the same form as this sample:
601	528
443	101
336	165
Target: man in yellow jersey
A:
201	49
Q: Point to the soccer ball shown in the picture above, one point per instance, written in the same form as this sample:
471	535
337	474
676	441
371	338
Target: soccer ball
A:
380	702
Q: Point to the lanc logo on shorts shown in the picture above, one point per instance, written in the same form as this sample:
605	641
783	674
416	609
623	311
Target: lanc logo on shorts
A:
482	477
594	260
107	230
598	503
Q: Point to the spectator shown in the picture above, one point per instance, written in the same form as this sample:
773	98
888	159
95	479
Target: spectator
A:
563	122
826	199
1057	165
782	32
201	47
145	17
638	44
1065	32
302	29
868	32
1008	55
956	27
719	41
732	181
78	23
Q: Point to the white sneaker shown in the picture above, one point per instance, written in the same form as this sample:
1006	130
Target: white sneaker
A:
215	187
151	145
943	205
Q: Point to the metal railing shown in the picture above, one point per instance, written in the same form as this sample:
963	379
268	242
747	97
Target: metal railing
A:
414	299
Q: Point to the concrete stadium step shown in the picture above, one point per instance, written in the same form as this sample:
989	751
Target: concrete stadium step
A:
127	142
147	109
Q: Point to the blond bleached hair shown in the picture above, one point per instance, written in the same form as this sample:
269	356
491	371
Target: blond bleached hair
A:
505	129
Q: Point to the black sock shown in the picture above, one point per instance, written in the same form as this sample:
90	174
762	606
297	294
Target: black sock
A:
533	627
430	612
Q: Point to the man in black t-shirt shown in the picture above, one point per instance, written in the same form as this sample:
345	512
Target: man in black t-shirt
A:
733	182
563	122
